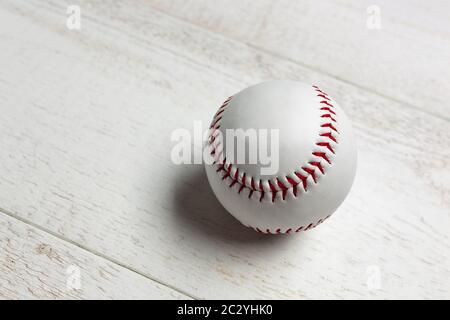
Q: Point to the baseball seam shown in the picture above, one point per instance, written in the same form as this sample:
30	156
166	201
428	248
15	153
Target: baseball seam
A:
300	180
290	230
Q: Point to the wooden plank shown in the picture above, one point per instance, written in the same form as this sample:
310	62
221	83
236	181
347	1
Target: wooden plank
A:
406	59
86	123
36	265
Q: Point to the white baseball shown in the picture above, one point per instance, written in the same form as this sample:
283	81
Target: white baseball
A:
317	157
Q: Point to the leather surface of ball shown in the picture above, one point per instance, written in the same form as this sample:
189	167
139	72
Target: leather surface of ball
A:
312	168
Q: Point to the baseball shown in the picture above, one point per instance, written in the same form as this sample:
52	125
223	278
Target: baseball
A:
282	156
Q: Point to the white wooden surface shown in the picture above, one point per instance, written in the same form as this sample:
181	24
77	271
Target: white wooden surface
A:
38	265
406	60
85	171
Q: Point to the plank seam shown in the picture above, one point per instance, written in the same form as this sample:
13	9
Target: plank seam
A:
94	252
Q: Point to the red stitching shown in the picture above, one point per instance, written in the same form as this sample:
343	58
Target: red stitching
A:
328	109
303	178
311	172
326	145
318	165
327	115
283	188
235	178
321	92
289	230
273	190
328	112
329	125
261	189
327	103
243	185
213	125
323	96
322	155
294	185
252	184
219	112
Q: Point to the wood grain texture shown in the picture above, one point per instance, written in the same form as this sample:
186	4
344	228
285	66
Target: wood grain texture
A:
86	123
36	265
407	59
